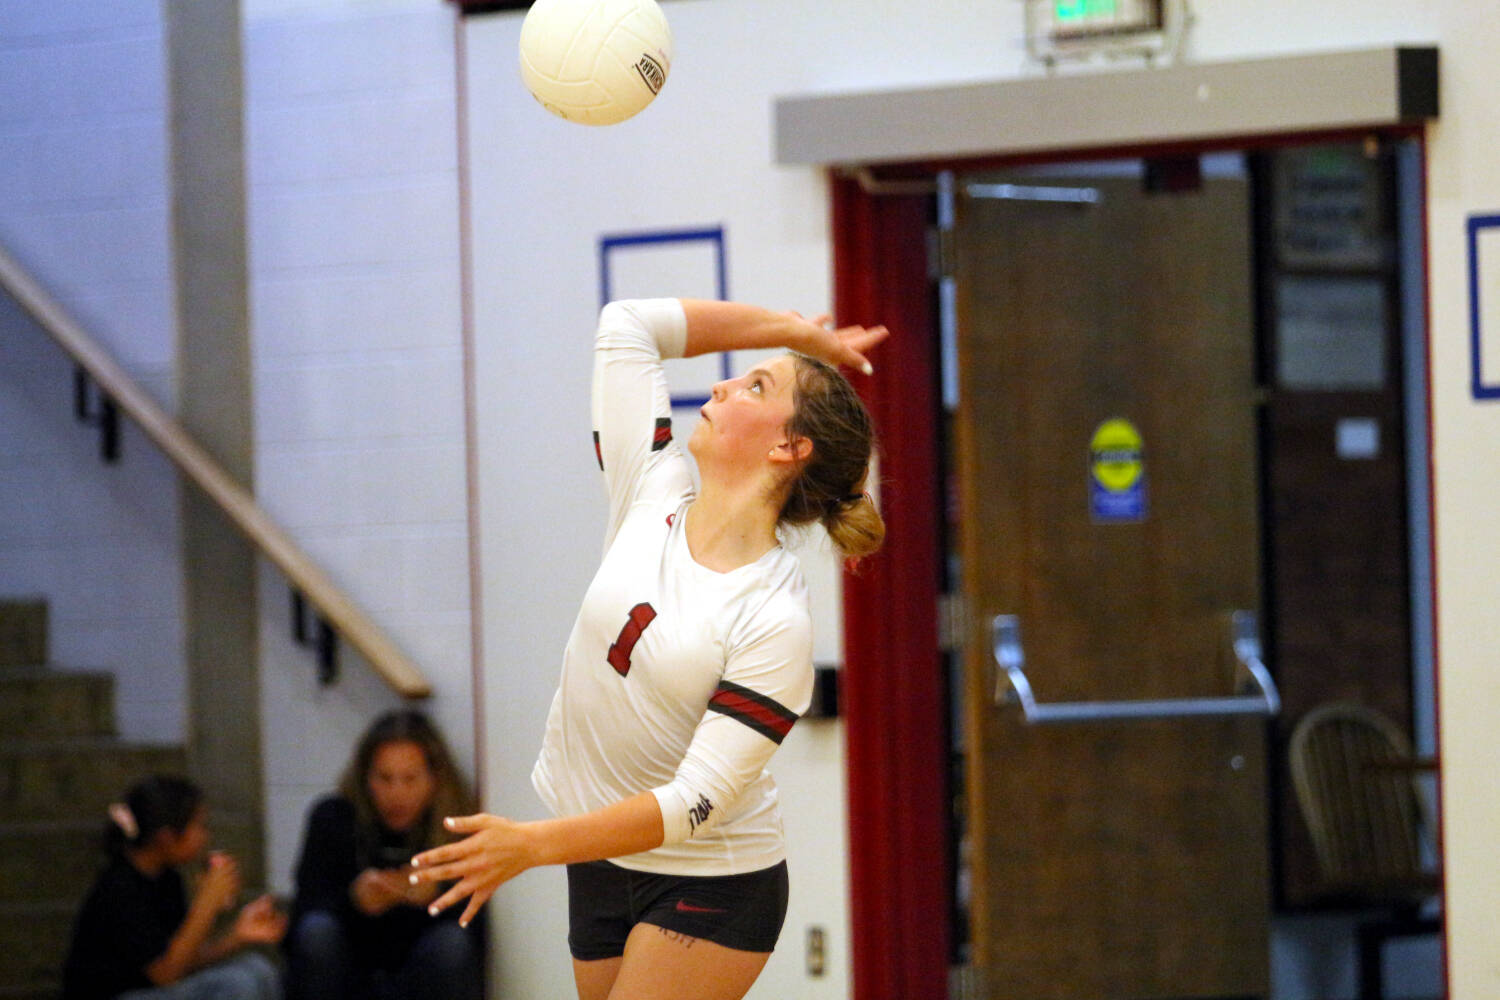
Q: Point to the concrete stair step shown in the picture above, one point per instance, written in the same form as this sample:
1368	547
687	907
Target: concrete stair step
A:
38	703
37	942
76	779
49	860
23	631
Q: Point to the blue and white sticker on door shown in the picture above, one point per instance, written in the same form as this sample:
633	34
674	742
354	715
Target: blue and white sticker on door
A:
1117	473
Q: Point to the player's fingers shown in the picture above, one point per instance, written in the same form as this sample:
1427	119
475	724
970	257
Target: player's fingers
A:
444	901
443	854
854	358
467	824
858	340
476	903
863	337
464	887
439	873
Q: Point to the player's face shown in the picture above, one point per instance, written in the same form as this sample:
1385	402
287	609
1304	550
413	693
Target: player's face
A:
401	784
745	418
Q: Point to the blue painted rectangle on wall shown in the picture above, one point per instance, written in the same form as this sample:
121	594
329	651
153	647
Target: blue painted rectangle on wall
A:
1484	304
680	263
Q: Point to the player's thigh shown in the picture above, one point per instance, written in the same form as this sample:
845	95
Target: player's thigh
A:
666	965
595	979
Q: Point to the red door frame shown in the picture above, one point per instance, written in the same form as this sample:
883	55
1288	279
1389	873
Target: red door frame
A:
892	691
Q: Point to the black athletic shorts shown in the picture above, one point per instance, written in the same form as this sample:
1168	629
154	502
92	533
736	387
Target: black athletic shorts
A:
606	901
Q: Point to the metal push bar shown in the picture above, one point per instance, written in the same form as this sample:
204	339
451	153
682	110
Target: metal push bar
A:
1011	685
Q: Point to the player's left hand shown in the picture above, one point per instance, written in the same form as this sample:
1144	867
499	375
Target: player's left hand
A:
495	851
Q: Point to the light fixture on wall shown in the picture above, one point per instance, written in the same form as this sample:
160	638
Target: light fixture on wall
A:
1058	30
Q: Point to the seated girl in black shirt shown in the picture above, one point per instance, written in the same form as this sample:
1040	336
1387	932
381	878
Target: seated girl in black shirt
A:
138	936
359	928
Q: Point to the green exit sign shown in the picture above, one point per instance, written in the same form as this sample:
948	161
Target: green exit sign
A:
1073	11
1082	29
1103	19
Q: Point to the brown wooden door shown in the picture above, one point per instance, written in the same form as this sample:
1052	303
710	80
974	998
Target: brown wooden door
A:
1111	859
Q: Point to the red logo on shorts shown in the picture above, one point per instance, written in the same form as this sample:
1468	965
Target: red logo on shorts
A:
683	906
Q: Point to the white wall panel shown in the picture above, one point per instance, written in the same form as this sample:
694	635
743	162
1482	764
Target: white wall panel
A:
412	306
347	140
352	168
83	205
25	22
68	76
369	225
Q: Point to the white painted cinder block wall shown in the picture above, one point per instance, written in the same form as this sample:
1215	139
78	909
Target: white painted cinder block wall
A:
84	207
352	170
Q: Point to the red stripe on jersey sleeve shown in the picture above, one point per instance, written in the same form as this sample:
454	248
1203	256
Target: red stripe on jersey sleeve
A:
662	434
764	715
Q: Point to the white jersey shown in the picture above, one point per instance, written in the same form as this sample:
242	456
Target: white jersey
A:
677	679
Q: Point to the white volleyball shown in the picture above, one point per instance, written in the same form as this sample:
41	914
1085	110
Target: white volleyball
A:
595	62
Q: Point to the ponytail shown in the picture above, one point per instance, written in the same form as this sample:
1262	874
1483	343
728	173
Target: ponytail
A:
828	488
855	526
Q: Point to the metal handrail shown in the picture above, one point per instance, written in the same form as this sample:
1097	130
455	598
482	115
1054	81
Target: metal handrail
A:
1012	686
387	659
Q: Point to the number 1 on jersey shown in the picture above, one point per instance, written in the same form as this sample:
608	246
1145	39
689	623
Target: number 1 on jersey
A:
641	615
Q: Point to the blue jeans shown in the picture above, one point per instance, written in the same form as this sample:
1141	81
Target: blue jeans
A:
246	976
444	964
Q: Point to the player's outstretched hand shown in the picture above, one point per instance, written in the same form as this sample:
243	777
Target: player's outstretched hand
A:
845	345
495	850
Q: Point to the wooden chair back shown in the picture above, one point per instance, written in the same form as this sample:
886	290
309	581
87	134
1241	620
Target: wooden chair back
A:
1352	771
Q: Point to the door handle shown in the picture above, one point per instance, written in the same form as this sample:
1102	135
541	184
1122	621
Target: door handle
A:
1012	687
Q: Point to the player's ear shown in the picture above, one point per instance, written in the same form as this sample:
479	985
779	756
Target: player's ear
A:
793	449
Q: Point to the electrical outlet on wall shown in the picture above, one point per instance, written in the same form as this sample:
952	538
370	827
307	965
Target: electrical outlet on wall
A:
815	951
